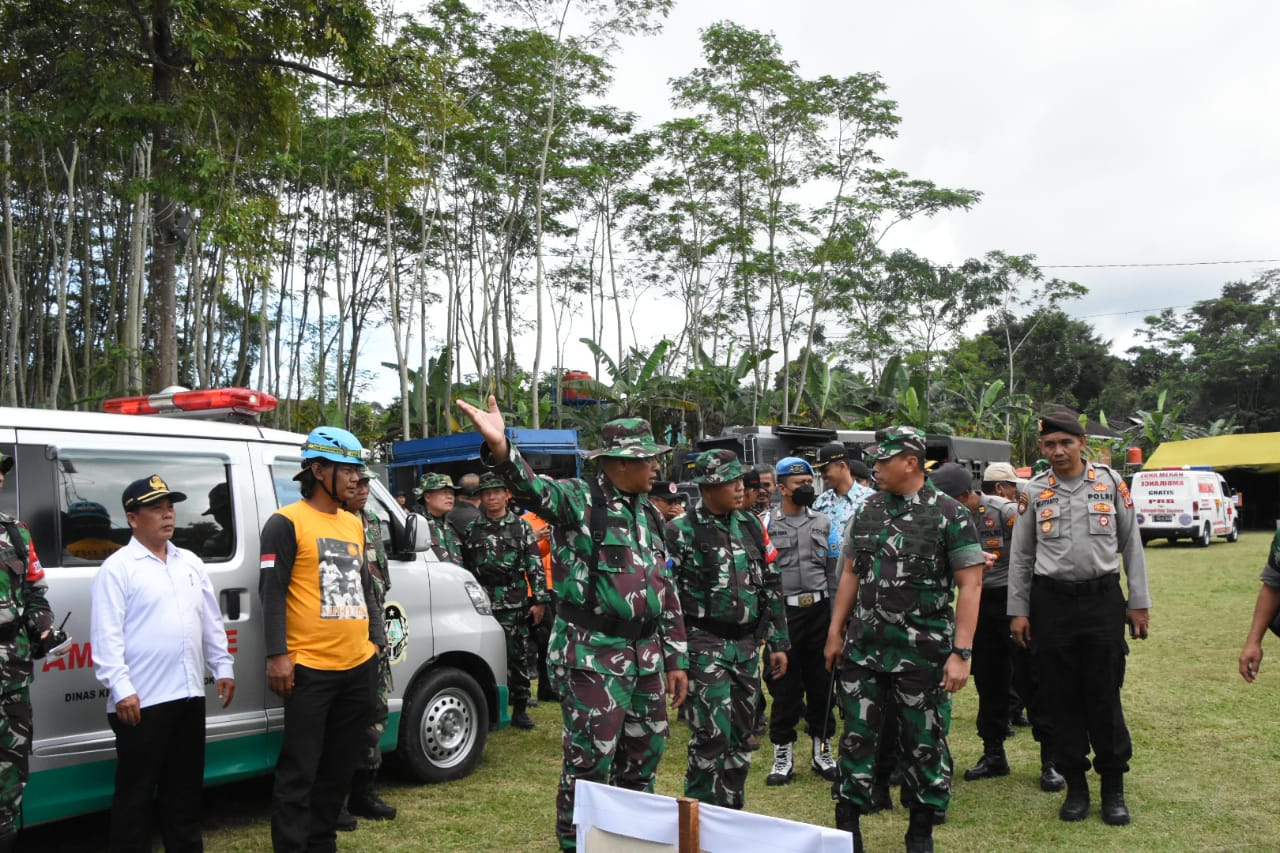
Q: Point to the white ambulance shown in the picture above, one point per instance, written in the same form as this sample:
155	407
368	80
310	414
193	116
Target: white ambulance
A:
69	470
1191	502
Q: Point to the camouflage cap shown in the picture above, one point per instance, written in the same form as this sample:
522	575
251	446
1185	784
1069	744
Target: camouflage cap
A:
952	479
367	473
628	438
894	440
431	482
491	480
717	466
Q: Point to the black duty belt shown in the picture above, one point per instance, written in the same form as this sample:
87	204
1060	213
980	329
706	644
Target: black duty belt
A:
628	629
1093	586
722	629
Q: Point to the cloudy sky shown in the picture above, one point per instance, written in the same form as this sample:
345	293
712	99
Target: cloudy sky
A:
1099	131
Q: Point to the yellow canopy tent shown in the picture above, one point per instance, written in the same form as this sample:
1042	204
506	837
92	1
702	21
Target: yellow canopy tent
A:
1259	452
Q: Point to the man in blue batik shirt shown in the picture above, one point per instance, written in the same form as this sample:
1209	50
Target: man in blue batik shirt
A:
843	495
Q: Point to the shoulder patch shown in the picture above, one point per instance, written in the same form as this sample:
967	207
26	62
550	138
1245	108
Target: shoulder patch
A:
1022	502
1124	494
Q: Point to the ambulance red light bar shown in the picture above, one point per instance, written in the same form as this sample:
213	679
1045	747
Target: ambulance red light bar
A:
179	402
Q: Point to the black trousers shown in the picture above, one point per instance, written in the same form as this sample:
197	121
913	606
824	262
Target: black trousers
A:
160	759
806	688
325	719
1078	646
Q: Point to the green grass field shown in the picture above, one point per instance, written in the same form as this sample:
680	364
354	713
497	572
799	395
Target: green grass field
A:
1206	755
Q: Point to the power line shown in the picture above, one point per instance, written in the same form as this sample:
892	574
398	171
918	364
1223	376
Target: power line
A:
1156	264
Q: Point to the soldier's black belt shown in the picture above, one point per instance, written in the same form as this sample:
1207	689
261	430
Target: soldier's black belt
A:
1093	586
626	628
723	630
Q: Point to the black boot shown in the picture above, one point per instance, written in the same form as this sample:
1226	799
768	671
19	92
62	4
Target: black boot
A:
847	816
919	836
1076	805
993	763
364	800
520	716
346	822
1050	779
1114	810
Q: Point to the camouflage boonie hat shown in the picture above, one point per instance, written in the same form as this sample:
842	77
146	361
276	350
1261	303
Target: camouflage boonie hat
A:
491	480
367	473
628	438
717	466
433	482
894	440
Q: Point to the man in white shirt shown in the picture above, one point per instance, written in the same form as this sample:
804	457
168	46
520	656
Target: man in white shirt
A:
155	627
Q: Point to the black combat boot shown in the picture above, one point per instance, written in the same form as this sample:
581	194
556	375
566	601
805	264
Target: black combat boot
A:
1076	805
346	821
993	763
1114	810
1050	779
919	836
364	800
847	817
520	716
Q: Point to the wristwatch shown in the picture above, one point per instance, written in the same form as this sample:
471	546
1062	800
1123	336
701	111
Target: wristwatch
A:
963	654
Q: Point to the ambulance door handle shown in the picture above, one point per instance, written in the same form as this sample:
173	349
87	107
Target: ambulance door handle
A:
231	603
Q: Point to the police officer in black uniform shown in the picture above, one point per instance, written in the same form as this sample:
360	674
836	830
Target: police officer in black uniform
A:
1075	520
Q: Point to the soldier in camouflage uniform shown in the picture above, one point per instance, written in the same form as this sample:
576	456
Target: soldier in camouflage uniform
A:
908	547
501	551
25	622
618	624
364	800
731	595
437	493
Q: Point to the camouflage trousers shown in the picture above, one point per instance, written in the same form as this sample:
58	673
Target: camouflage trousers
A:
519	648
924	710
615	731
720	711
378	725
15	746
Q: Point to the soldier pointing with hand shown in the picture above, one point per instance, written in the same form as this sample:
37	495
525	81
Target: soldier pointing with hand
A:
617	649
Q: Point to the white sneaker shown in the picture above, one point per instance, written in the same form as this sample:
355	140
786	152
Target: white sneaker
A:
783	765
823	764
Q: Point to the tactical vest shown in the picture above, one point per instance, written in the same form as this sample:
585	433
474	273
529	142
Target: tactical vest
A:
707	543
916	557
487	573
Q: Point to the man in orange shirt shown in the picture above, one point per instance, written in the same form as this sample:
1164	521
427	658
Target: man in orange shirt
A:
324	632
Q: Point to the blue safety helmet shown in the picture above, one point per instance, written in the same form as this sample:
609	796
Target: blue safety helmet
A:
792	465
334	444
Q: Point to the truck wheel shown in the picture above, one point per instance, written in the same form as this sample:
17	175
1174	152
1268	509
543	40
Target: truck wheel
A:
444	726
1234	535
1206	536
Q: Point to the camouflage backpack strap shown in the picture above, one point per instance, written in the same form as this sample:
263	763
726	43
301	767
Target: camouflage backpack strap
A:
704	540
597	524
19	545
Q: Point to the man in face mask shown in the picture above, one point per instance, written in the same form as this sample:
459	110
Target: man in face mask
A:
800	534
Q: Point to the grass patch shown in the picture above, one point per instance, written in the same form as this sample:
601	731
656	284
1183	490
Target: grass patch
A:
1205	752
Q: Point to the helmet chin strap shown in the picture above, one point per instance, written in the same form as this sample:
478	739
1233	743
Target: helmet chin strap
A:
332	492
